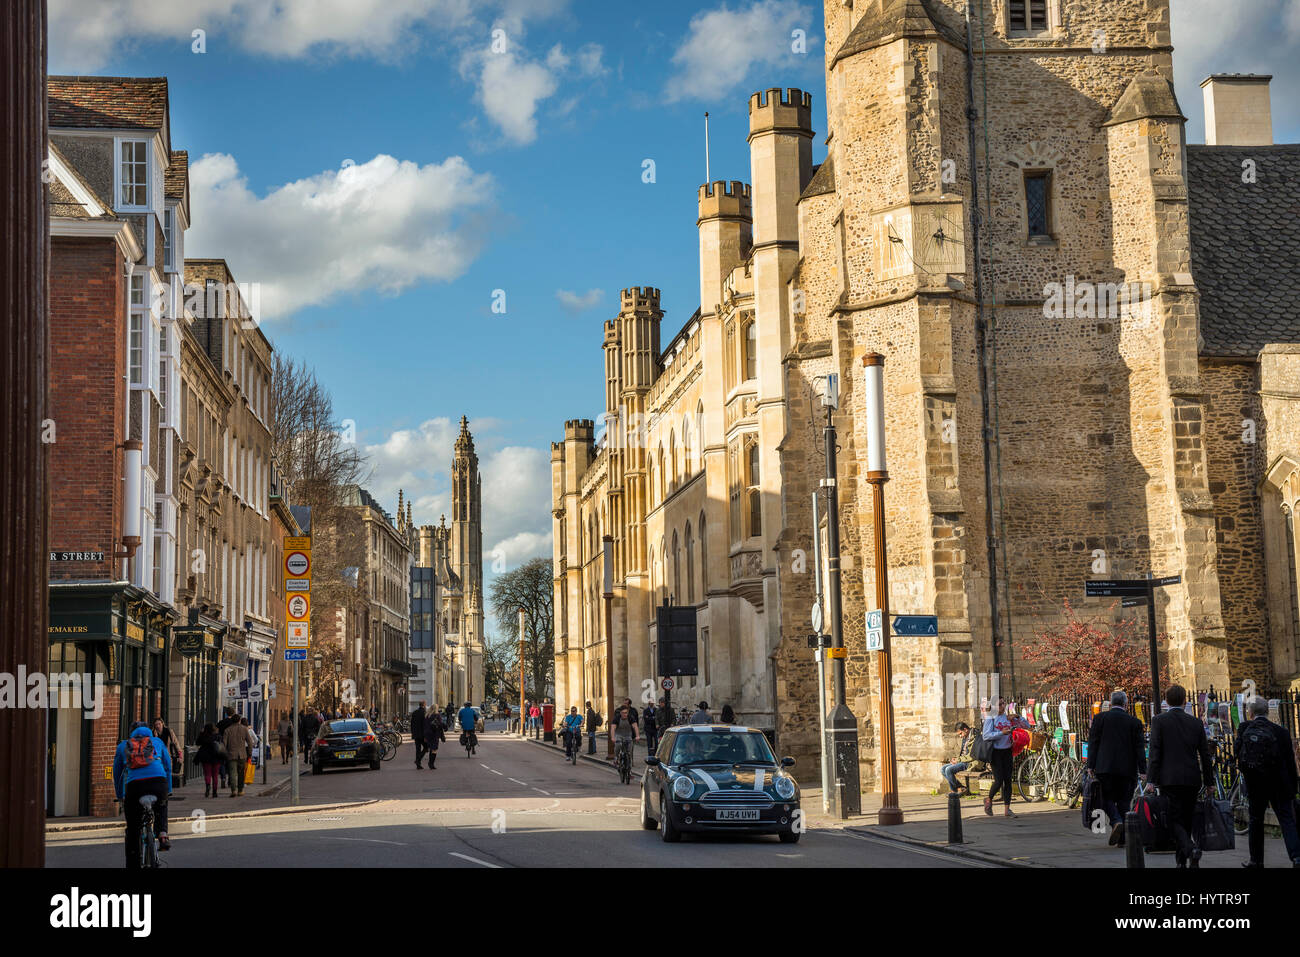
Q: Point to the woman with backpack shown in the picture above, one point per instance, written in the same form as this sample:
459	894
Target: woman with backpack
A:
211	756
996	743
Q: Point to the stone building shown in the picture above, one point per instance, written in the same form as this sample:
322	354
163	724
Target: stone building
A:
1076	409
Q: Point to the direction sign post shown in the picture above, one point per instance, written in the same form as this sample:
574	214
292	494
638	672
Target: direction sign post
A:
297	606
1134	591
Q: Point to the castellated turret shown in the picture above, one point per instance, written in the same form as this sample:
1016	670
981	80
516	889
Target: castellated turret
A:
726	227
638	345
780	160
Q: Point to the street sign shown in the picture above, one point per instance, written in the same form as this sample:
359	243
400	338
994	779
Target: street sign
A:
297	584
875	631
1115	589
817	617
298	607
1134	602
298	564
916	625
819	641
298	634
292	543
837	653
295	654
255	694
667	684
1168	580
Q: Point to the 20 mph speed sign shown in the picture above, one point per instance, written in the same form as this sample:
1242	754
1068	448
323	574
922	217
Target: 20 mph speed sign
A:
666	684
297	564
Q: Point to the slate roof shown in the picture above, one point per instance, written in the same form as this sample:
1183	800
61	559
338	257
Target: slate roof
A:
823	180
63	203
109	102
1245	246
177	180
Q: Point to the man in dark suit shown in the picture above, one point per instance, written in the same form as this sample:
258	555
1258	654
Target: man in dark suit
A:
1117	756
1178	746
1266	757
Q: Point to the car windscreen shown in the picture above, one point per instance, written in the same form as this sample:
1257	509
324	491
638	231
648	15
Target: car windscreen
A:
350	726
725	747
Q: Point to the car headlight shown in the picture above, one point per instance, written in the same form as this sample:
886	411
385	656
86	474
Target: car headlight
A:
683	787
784	787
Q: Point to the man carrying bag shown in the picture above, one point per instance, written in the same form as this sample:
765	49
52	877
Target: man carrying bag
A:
1266	758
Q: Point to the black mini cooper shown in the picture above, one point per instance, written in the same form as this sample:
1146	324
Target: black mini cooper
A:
716	778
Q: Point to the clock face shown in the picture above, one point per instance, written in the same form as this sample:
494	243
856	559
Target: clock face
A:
924	239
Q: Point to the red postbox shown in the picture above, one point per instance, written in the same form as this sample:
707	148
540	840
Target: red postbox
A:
548	722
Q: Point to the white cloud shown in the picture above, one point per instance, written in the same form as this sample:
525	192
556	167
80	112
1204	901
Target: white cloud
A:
512	87
87	34
1258	37
723	46
385	224
575	303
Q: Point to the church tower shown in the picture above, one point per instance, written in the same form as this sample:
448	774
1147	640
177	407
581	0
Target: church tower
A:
466	556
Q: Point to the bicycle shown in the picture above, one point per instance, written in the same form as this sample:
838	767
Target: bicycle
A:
572	745
468	742
623	760
148	839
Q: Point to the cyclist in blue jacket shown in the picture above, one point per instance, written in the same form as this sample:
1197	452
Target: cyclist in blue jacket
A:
468	719
142	765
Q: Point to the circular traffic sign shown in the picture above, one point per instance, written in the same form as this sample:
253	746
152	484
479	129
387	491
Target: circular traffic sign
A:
297	564
299	607
666	684
817	617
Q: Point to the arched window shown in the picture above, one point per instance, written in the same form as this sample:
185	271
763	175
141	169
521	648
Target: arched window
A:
704	560
663	479
677	570
663	567
690	566
750	341
753	497
672	461
652	486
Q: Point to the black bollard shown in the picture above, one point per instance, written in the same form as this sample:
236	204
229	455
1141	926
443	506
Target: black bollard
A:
1133	857
954	818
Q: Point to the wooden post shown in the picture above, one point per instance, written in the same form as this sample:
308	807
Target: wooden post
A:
24	372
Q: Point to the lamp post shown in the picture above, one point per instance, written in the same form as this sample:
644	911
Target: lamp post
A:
608	543
842	726
877	475
522	716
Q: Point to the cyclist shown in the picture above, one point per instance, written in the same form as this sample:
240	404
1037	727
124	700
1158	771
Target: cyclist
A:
468	718
572	731
142	765
623	731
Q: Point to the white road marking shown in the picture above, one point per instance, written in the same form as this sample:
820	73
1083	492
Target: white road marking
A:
517	781
367	840
494	771
540	791
484	766
475	860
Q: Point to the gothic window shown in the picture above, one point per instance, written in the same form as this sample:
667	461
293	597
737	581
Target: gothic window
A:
753	497
663	572
690	566
1028	16
672	461
650	492
728	359
677	570
751	350
1293	585
733	490
663	479
1038	203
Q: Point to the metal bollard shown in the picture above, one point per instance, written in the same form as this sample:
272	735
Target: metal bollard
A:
1133	856
954	818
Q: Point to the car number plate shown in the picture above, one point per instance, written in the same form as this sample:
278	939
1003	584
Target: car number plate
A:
738	814
342	755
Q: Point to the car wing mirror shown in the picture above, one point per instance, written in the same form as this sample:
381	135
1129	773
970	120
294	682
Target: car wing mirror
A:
652	761
787	762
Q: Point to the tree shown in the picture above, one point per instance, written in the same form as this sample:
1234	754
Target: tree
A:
1087	658
501	667
530	587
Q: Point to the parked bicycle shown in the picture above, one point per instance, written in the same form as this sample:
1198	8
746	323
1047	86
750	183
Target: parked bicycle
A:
1047	770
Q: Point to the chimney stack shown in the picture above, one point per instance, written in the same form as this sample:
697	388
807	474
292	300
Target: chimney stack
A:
1237	110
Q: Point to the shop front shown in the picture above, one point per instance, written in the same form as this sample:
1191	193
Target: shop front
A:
108	648
195	687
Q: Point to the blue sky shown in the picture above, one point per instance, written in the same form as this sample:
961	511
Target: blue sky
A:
518	168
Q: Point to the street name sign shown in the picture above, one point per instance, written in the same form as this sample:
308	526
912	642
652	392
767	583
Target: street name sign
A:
1115	588
916	625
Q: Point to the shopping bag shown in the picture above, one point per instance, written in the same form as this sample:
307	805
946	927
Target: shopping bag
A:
1212	825
249	771
1153	821
1092	800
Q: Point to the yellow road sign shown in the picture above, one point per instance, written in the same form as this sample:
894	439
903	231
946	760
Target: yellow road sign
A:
298	606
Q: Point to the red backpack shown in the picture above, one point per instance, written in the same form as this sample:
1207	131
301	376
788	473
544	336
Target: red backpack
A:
139	751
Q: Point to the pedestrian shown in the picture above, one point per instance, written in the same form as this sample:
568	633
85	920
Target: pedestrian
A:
284	732
664	716
1117	755
1267	761
168	738
997	729
228	717
593	725
433	733
535	720
728	716
417	734
239	747
142	765
211	756
1178	746
701	715
650	729
256	754
963	760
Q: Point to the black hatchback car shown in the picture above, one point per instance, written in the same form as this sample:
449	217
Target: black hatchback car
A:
719	778
344	742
